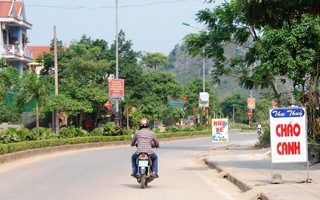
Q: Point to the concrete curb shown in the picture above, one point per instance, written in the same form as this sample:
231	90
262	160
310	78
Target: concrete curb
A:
240	184
255	194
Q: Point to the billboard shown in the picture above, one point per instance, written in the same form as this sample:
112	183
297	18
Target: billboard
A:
251	103
288	132
116	89
204	99
220	130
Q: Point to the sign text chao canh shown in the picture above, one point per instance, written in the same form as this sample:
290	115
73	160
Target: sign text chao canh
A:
288	135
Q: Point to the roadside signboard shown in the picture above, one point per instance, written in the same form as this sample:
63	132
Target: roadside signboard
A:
204	99
220	130
251	103
116	89
288	131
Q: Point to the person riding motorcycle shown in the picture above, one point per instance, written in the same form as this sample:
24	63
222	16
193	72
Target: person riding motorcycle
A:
259	128
144	138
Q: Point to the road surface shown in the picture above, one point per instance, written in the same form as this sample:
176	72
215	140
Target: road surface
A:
104	173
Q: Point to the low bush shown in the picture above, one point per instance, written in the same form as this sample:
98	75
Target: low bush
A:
264	138
25	145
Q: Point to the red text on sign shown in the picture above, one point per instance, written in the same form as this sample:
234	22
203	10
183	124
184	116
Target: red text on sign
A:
219	123
288	130
288	148
219	129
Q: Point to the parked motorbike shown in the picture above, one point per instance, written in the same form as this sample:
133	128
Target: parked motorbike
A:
145	173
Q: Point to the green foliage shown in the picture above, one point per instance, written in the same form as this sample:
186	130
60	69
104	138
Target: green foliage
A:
162	84
240	126
112	130
264	138
177	114
192	129
192	90
15	147
152	60
9	136
9	114
172	129
275	13
312	144
72	131
10	139
8	77
235	107
96	132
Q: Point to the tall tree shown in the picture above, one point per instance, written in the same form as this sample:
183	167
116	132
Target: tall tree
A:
275	13
153	60
8	77
192	90
292	52
31	87
163	84
235	107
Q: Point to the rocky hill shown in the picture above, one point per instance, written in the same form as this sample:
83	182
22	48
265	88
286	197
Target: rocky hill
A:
187	68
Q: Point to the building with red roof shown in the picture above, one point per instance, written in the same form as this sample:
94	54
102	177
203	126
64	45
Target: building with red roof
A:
13	34
39	50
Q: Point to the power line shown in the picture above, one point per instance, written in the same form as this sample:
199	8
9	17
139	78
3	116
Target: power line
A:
107	7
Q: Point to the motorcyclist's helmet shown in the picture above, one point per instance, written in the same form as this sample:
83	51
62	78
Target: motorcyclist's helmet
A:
143	123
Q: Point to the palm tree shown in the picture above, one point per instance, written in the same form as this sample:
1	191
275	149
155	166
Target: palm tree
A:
32	88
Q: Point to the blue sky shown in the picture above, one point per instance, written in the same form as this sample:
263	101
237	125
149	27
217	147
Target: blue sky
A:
151	25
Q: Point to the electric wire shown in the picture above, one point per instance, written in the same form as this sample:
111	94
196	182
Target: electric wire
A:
106	6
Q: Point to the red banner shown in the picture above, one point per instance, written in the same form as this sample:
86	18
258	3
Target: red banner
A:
116	89
251	103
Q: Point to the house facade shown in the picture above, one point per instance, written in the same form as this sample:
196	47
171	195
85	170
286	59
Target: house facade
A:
13	34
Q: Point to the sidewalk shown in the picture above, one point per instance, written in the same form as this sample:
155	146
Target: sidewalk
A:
250	169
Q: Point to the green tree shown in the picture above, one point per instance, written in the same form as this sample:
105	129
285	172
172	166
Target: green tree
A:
177	114
276	13
9	76
162	84
31	87
156	87
85	81
235	107
261	111
152	60
291	52
227	30
192	91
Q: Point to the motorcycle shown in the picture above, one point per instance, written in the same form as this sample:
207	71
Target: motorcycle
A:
259	131
145	173
144	163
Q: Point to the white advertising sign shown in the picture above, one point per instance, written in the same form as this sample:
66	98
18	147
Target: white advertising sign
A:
220	130
288	132
204	99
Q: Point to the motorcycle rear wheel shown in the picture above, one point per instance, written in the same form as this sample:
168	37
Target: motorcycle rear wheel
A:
143	181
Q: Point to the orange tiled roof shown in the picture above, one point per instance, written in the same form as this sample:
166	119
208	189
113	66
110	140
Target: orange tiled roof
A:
5	8
39	50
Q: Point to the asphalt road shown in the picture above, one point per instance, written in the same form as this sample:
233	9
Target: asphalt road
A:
104	173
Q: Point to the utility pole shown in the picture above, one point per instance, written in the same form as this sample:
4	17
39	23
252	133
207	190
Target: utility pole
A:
56	78
116	120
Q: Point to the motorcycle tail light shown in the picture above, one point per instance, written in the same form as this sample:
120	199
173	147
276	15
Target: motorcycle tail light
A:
143	156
